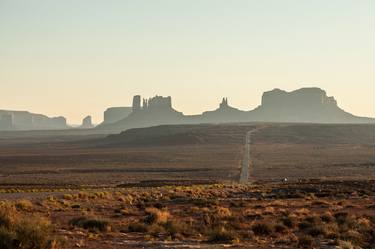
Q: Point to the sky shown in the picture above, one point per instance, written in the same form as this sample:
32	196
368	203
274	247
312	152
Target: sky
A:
76	58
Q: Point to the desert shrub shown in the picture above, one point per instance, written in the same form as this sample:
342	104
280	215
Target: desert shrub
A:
221	235
327	217
222	212
75	206
17	232
305	241
91	224
352	236
345	245
103	195
341	218
288	221
316	230
312	219
205	202
262	229
68	197
83	195
269	211
137	228
8	215
175	227
155	215
159	205
308	223
7	238
280	228
24	205
123	211
33	233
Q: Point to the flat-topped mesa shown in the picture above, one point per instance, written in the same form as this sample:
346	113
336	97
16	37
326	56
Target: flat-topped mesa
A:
304	97
6	122
159	103
114	114
156	103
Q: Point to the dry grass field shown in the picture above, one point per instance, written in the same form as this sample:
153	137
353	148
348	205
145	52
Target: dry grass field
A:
309	214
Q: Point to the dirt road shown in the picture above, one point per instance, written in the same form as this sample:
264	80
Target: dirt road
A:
246	159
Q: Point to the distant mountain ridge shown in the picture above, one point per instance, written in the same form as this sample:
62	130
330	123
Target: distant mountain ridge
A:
305	105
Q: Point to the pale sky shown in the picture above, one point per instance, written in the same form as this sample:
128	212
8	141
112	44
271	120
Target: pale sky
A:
78	57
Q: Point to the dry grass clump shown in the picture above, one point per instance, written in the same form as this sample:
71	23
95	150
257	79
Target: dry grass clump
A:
262	229
127	199
68	197
288	221
20	232
222	212
157	216
24	205
221	235
91	224
103	195
345	245
159	222
306	241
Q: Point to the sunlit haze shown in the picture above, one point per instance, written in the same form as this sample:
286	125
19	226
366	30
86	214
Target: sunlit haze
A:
76	58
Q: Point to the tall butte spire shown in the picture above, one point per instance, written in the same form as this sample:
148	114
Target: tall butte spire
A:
224	103
136	103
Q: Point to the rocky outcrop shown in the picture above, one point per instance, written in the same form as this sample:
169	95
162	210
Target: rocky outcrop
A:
87	123
153	111
306	105
114	114
6	122
22	120
303	105
225	113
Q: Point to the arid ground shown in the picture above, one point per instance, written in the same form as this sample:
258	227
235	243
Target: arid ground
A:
310	186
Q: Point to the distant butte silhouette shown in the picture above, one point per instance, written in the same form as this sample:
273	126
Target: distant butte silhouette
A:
305	105
23	120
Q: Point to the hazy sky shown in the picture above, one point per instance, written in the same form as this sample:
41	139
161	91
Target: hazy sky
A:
78	57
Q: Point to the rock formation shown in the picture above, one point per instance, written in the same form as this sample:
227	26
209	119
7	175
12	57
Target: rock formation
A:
114	114
304	105
136	103
225	113
154	111
22	120
6	122
87	123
